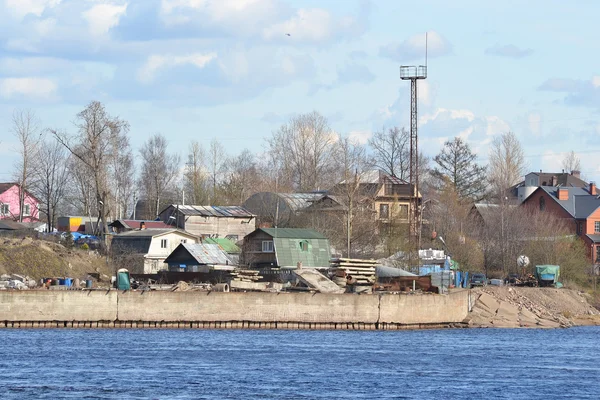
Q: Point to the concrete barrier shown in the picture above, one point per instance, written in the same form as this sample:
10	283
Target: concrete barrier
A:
432	309
255	307
76	309
63	305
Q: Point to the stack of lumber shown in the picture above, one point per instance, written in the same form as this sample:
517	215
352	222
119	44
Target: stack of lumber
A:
245	275
361	271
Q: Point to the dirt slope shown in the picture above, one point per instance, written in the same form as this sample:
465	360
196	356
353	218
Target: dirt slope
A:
512	307
43	259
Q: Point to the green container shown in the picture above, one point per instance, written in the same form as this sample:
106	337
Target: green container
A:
123	279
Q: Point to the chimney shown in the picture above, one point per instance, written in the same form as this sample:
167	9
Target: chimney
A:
554	180
563	194
142	226
593	189
576	174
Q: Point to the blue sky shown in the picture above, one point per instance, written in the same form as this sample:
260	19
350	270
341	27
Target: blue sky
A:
226	69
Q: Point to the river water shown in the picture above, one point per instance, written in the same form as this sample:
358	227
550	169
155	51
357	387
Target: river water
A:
248	364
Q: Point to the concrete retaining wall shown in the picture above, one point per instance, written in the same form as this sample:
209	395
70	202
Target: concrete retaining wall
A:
46	305
193	309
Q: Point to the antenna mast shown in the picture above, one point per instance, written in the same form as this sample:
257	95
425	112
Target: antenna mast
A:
414	73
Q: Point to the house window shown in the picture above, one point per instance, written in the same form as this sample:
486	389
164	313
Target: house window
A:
183	240
542	204
403	211
163	243
233	238
579	228
267	246
26	209
304	245
597	226
4	209
384	211
597	253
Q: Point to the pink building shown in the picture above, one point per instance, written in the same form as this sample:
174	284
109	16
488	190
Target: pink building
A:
9	204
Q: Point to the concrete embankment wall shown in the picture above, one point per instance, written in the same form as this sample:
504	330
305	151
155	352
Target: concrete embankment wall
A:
230	310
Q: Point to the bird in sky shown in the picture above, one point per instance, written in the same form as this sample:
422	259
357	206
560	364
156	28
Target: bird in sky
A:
288	34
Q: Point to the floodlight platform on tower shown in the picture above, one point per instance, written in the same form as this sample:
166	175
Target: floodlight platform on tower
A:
409	72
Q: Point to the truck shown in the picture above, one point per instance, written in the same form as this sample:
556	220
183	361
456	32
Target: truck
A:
547	275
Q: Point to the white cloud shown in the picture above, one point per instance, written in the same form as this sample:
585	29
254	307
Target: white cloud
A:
495	126
37	88
413	48
452	114
21	8
361	137
596	81
155	63
102	17
509	50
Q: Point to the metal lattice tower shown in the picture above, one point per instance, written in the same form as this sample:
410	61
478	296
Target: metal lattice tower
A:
414	73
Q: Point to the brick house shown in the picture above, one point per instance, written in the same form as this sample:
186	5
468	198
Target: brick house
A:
9	204
579	206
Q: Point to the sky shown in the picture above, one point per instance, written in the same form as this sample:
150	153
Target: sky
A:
236	70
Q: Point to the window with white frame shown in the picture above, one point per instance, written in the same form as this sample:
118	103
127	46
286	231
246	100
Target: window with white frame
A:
597	226
164	243
26	209
267	246
4	209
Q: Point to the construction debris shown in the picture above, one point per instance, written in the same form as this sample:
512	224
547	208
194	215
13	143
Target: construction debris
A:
317	281
358	274
245	275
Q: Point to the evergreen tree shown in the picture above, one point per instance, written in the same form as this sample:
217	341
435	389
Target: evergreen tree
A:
457	167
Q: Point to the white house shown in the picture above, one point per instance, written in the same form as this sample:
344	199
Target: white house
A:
144	251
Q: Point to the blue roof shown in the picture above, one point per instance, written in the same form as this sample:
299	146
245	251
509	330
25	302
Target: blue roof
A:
580	204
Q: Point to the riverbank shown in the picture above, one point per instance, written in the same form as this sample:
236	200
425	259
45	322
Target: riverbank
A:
524	307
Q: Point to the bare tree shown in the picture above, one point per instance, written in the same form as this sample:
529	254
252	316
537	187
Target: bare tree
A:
507	163
571	162
159	170
95	145
303	149
123	171
391	151
195	176
26	130
51	179
216	164
242	178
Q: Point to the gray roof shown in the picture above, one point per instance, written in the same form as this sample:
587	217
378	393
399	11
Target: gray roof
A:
8	225
206	253
299	201
212	211
594	238
580	204
148	233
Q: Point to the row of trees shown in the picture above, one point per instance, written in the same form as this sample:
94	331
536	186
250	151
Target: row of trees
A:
90	170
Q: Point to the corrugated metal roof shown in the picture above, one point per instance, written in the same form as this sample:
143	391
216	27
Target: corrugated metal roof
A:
8	225
206	253
212	211
227	245
289	252
299	201
293	233
149	233
135	224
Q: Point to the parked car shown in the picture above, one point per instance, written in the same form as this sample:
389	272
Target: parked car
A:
478	279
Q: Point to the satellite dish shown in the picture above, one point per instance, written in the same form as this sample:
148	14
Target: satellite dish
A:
522	261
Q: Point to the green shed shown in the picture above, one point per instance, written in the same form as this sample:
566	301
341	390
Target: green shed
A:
285	248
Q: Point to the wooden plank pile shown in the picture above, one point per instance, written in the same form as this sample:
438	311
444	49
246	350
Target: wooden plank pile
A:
361	272
245	275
